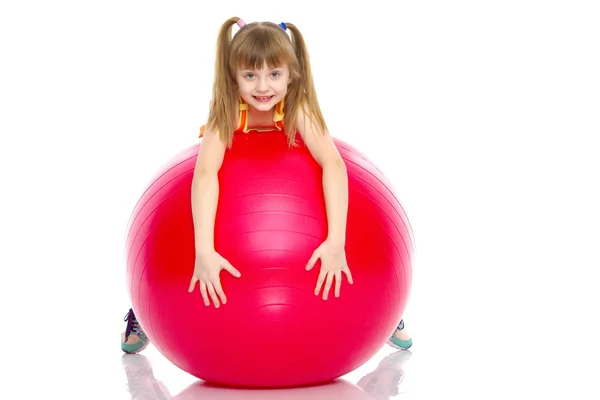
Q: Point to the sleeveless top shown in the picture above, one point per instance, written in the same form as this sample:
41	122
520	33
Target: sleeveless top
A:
243	120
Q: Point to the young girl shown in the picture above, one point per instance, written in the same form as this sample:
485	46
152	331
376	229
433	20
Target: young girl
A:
263	82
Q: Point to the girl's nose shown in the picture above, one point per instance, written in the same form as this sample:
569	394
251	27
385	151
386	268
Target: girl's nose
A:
262	85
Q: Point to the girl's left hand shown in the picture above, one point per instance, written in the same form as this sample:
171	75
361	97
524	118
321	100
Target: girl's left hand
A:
333	263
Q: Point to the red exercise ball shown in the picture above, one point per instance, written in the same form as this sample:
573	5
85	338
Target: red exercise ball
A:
271	216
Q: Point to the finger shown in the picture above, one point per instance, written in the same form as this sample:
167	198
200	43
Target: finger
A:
348	275
327	285
213	294
231	269
220	292
338	284
320	281
192	283
204	293
312	261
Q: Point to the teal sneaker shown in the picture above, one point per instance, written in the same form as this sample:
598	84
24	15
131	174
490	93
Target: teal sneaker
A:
133	340
394	341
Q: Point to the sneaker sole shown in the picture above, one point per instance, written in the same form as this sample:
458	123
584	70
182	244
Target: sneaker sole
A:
394	345
138	350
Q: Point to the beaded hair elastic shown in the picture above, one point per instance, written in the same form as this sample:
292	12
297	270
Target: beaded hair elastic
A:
242	24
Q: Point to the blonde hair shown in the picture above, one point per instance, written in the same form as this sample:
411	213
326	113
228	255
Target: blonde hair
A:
255	44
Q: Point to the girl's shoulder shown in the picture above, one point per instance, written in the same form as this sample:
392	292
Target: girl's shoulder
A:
203	127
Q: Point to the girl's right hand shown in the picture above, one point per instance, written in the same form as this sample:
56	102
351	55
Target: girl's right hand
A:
207	271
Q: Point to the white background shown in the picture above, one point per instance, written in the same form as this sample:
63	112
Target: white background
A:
484	115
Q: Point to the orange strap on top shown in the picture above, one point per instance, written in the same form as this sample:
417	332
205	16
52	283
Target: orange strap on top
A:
243	119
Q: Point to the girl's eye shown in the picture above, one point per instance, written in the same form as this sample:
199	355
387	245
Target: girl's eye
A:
249	75
275	74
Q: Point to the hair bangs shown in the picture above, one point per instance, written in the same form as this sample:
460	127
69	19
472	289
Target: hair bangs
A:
261	46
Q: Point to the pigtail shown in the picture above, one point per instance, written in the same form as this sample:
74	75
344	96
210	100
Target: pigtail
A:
224	104
303	94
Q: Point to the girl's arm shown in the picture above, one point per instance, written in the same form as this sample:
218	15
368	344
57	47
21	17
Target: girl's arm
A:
205	196
335	178
205	191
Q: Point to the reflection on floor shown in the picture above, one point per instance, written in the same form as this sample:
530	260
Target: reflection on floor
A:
383	383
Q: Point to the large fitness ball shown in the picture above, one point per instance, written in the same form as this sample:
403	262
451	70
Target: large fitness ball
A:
271	216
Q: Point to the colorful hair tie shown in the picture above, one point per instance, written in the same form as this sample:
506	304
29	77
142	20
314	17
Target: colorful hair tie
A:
283	26
241	23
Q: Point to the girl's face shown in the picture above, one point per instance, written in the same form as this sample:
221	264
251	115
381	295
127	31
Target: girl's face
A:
262	89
